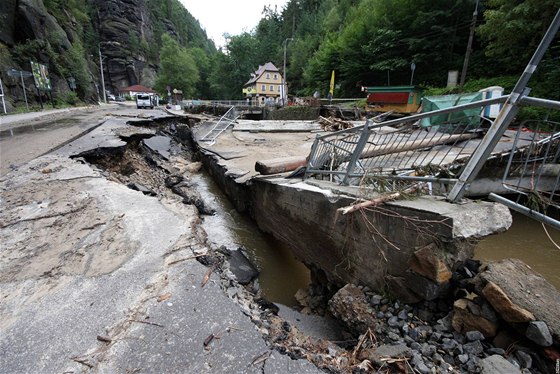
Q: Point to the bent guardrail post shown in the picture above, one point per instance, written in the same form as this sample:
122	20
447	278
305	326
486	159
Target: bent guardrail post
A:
357	152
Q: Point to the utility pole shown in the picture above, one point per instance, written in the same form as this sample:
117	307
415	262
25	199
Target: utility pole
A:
284	73
102	77
469	47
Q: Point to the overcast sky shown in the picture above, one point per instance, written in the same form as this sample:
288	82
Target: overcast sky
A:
228	16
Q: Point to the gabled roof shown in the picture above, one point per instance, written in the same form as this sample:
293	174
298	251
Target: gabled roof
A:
137	88
269	66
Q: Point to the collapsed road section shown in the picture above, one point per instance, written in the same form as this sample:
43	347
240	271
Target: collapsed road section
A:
103	268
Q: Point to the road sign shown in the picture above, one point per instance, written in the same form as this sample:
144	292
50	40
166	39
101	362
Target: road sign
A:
19	73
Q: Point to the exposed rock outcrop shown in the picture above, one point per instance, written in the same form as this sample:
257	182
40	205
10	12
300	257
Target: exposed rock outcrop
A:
7	21
123	26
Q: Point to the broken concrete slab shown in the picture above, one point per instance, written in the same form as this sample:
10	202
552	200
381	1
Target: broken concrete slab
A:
350	306
241	267
160	145
277	126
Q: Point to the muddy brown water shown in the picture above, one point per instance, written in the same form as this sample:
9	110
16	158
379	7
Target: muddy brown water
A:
281	274
527	241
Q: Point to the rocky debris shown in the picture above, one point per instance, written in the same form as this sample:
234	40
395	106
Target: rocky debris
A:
498	365
350	306
538	332
520	295
508	310
469	317
430	336
426	263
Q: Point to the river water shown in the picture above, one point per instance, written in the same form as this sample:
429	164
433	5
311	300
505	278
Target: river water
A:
281	274
527	241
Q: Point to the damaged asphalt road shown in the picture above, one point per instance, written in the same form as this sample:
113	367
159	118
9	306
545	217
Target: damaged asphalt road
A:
97	276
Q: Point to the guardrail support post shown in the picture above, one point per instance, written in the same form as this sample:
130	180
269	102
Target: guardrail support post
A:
357	152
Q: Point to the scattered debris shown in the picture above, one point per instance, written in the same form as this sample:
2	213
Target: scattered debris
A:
165	296
206	277
145	322
208	340
334	124
104	339
261	358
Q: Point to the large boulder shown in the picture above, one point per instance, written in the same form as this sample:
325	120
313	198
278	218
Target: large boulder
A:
350	306
519	294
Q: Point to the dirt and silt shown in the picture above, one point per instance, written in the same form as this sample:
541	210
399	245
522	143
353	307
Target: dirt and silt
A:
395	337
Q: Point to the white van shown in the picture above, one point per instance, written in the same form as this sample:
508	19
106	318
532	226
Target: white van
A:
144	101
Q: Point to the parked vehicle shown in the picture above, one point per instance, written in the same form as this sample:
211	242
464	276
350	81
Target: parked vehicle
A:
144	101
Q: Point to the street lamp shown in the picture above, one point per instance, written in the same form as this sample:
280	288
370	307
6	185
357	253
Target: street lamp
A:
284	73
102	77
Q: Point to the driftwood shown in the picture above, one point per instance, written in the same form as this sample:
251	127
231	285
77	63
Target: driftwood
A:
280	165
375	202
334	124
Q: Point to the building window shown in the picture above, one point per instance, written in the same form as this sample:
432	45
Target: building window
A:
263	87
279	88
275	77
271	88
267	75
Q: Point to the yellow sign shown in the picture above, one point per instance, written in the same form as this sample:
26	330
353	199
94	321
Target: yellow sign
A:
331	90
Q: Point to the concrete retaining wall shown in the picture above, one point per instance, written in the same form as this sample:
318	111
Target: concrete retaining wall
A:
408	248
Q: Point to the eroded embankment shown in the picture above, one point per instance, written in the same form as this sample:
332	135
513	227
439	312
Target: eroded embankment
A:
461	324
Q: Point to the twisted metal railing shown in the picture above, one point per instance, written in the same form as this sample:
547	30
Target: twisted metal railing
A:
401	149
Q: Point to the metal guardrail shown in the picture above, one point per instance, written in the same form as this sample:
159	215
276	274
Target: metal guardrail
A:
400	149
223	123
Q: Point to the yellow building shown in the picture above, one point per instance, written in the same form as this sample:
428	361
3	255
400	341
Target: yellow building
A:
265	85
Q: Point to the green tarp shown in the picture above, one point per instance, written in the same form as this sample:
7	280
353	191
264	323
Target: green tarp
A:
448	122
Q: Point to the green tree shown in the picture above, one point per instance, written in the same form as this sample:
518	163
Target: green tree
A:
234	67
513	29
177	68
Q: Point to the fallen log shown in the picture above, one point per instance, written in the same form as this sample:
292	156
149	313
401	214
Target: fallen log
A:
280	165
412	145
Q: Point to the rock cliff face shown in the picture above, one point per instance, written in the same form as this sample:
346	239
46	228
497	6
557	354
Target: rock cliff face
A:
7	21
125	28
68	37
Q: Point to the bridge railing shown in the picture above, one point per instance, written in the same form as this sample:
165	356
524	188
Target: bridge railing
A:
403	151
